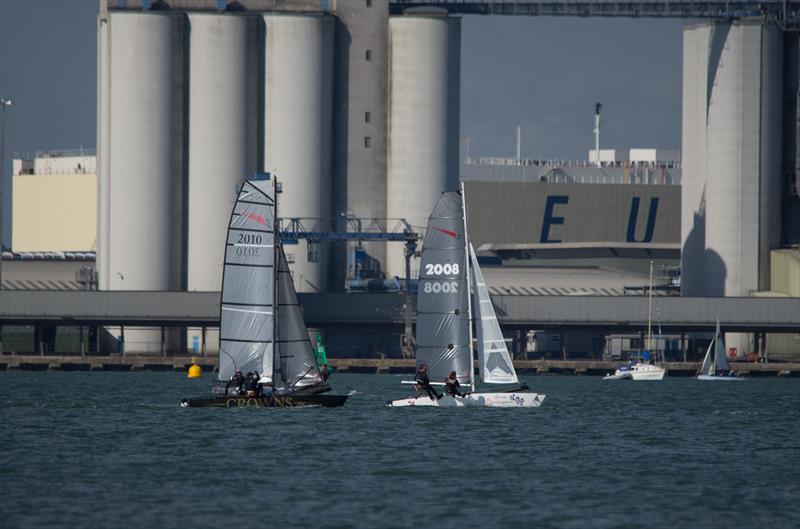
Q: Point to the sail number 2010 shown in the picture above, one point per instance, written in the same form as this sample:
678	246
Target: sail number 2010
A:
248	238
441	269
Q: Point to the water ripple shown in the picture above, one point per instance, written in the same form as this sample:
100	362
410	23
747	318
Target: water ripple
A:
114	449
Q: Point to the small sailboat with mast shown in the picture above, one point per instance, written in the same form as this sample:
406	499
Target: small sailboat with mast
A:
643	369
445	303
715	363
262	330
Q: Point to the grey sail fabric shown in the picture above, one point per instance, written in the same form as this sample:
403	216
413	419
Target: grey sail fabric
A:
246	318
443	325
720	359
295	365
493	358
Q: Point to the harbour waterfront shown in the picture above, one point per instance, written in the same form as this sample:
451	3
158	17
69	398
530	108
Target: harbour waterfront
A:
114	449
363	365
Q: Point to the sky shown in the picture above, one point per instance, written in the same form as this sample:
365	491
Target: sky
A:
543	74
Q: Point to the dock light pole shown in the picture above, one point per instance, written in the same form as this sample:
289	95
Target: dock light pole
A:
3	104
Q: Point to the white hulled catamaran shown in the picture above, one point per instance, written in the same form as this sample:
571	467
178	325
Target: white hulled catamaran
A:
444	317
262	329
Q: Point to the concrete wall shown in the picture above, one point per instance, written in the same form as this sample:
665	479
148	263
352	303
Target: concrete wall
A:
785	280
732	159
360	116
513	213
56	212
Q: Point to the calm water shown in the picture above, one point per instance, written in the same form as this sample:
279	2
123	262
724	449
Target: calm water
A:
114	449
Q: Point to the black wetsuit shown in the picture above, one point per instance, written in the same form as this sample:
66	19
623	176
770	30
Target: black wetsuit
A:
251	384
236	382
451	385
424	382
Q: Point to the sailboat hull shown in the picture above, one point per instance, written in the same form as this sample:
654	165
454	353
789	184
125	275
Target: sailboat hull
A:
277	401
638	371
480	400
718	377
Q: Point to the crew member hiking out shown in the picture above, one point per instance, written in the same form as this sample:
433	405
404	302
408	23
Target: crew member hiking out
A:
323	372
251	384
236	381
423	383
451	385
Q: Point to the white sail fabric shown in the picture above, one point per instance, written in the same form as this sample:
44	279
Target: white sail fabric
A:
715	360
246	318
708	367
720	358
493	358
443	326
296	365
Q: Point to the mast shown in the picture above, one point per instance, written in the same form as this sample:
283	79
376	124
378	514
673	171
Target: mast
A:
469	291
276	239
649	344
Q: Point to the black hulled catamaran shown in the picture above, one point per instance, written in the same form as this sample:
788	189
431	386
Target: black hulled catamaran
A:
262	330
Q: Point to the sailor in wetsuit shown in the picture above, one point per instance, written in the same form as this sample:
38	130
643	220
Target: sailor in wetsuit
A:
236	381
451	385
423	383
251	384
323	372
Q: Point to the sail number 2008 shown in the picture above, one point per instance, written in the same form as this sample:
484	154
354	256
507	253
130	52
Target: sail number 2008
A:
445	287
441	269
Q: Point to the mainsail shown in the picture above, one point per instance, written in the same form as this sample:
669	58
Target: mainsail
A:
493	358
715	361
707	368
246	319
298	365
443	324
720	359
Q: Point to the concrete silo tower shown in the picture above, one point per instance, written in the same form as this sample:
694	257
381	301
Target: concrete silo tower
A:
424	107
732	148
141	99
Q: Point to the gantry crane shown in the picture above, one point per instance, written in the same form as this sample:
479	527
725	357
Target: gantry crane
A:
350	228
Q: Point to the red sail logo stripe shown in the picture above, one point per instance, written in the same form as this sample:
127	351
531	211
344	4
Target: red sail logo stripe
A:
449	233
255	217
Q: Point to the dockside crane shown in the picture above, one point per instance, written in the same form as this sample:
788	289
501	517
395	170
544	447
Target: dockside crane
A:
350	228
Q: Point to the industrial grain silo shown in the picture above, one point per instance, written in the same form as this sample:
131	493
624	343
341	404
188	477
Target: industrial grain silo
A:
424	76
223	140
141	151
223	134
298	100
731	159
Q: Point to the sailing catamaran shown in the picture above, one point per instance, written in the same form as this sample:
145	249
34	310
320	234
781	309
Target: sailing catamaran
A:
444	317
715	364
643	369
261	325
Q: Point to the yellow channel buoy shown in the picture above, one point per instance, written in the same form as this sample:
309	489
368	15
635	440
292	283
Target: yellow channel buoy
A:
195	371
